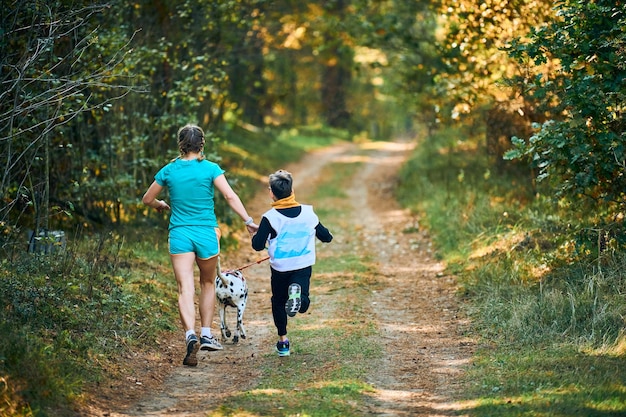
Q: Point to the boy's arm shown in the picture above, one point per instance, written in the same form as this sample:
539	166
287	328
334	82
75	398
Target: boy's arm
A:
259	239
322	233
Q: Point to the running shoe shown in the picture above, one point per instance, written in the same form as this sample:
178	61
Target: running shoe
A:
282	348
192	348
210	343
293	304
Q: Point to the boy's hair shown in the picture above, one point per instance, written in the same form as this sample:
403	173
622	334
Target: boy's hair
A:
281	184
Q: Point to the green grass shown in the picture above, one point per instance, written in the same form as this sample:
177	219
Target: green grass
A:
312	137
546	307
331	399
560	381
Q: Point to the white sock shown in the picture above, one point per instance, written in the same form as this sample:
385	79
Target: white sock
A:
205	331
189	333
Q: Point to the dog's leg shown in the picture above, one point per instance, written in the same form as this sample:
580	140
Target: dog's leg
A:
236	336
240	328
223	325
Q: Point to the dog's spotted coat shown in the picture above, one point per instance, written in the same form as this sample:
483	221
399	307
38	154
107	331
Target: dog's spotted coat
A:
231	290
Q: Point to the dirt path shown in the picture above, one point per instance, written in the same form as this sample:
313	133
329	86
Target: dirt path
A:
416	311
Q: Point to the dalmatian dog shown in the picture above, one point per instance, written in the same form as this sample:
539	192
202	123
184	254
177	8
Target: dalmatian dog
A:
231	290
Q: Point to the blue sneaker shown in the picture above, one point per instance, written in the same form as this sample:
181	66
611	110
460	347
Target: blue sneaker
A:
282	348
293	304
192	348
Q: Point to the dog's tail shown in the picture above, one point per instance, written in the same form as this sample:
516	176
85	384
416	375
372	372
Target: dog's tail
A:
225	280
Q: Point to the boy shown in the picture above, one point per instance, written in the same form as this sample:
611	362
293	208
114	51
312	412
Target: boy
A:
289	229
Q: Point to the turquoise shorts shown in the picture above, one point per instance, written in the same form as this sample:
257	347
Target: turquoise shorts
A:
204	241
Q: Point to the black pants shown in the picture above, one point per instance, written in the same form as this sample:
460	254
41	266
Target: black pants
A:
280	287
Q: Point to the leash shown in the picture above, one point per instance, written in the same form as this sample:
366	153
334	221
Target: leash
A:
249	265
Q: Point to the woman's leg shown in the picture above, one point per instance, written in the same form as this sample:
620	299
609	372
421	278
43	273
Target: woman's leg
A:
183	265
208	272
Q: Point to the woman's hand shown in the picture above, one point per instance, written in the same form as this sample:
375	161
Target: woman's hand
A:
161	206
252	228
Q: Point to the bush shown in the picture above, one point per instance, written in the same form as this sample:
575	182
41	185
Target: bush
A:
62	310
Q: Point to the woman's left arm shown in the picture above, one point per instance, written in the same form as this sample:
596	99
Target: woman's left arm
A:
234	202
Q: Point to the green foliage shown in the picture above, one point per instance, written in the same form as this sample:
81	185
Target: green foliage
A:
472	35
54	81
89	118
399	47
38	377
581	149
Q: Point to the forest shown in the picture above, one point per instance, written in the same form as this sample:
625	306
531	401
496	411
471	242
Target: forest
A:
92	93
528	92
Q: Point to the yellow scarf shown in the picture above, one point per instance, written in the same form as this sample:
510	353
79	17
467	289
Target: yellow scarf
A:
286	202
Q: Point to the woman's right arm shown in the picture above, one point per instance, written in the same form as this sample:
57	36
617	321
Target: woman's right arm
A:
150	198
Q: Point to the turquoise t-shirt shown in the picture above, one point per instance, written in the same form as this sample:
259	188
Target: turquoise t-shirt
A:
191	189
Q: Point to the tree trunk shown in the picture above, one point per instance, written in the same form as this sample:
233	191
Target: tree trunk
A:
337	74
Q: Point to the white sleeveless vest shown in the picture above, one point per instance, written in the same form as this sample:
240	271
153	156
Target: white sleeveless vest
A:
294	245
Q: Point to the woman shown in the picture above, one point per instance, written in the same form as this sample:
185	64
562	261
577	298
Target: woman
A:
194	231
